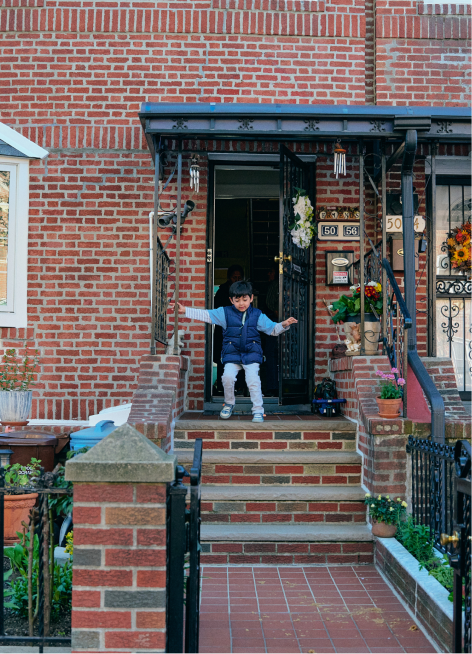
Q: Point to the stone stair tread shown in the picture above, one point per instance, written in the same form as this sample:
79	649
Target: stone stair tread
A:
282	493
253	457
319	425
319	532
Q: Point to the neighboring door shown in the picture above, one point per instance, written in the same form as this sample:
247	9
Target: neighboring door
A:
295	288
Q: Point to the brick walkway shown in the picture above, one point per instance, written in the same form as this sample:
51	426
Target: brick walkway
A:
296	609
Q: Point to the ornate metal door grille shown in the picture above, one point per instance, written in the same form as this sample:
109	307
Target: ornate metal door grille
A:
294	277
453	290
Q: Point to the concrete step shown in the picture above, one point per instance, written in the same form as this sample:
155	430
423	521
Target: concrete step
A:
287	435
254	457
292	533
276	468
283	493
318	544
282	504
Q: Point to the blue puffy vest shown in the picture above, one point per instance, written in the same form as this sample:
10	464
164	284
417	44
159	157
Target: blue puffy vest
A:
241	343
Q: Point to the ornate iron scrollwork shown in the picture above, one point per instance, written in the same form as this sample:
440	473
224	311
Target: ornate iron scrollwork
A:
180	123
457	286
377	126
450	312
311	125
245	123
444	127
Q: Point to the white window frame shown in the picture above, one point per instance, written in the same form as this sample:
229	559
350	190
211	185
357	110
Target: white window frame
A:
15	312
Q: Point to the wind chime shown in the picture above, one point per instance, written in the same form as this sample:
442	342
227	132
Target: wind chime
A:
194	174
339	159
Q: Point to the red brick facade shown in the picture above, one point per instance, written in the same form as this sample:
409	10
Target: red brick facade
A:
73	78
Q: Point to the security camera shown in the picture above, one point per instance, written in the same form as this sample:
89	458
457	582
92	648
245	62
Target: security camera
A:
165	218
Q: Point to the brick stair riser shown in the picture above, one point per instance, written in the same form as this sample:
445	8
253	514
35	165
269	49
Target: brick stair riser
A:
286	512
285	553
275	474
268	440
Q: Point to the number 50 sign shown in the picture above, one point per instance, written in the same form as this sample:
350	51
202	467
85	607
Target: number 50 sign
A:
395	224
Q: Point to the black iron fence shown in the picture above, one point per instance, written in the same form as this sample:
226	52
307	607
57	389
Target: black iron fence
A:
36	585
183	558
432	487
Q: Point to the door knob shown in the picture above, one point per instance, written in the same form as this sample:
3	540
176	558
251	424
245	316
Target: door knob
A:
283	258
446	539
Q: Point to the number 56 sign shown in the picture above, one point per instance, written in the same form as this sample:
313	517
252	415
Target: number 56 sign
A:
395	223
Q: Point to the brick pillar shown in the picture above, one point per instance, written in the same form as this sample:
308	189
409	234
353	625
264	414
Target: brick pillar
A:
118	598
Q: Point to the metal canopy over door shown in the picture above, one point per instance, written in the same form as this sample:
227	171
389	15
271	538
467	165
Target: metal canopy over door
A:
295	287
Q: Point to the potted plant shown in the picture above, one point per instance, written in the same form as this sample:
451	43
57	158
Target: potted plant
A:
18	505
16	376
391	394
385	514
348	311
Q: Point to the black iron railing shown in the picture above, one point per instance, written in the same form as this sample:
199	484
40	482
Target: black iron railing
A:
160	300
432	491
397	321
183	572
37	565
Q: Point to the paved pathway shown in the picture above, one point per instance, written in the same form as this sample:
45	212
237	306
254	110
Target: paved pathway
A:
304	609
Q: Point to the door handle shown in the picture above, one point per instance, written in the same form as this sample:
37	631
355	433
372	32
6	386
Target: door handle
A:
446	539
283	257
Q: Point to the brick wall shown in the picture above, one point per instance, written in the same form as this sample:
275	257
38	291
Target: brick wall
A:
73	78
381	442
119	579
161	397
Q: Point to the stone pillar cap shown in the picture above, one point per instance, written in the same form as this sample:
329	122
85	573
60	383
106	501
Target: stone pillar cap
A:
123	456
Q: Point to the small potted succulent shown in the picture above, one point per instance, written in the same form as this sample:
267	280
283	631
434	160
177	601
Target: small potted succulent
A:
385	514
391	394
18	505
16	377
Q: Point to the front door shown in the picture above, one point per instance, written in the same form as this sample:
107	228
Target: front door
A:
295	287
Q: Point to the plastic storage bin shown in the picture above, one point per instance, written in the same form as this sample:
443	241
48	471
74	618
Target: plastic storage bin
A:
91	435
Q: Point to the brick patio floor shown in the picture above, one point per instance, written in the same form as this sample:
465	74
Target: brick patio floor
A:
304	609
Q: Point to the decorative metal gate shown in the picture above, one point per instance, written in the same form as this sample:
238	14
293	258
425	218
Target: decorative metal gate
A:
296	286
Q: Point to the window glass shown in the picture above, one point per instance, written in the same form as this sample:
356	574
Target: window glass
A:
4	217
453	208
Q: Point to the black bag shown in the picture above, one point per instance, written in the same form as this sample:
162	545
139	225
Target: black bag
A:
326	390
325	393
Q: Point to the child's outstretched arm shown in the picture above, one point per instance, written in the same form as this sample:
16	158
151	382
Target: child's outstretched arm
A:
266	325
212	316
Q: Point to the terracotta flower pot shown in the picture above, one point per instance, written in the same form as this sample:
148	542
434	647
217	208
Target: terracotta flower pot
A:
17	508
383	530
389	408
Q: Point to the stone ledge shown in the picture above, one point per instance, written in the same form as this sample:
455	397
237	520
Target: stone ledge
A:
123	456
316	425
425	596
283	493
291	533
253	457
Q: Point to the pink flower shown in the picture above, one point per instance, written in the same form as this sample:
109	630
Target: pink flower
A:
379	373
401	381
389	376
395	370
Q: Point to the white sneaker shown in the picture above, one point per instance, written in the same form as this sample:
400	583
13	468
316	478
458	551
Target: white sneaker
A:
258	417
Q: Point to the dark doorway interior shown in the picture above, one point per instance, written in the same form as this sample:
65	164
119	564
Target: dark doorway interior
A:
247	234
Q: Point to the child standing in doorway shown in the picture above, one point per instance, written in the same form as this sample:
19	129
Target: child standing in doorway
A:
241	324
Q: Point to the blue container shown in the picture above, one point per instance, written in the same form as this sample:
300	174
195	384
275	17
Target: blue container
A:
91	435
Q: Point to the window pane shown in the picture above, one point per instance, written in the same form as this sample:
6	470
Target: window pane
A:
4	214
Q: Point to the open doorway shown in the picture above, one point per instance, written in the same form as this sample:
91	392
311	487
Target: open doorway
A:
250	212
246	236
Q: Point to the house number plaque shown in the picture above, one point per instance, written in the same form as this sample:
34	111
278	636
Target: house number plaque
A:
338	231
